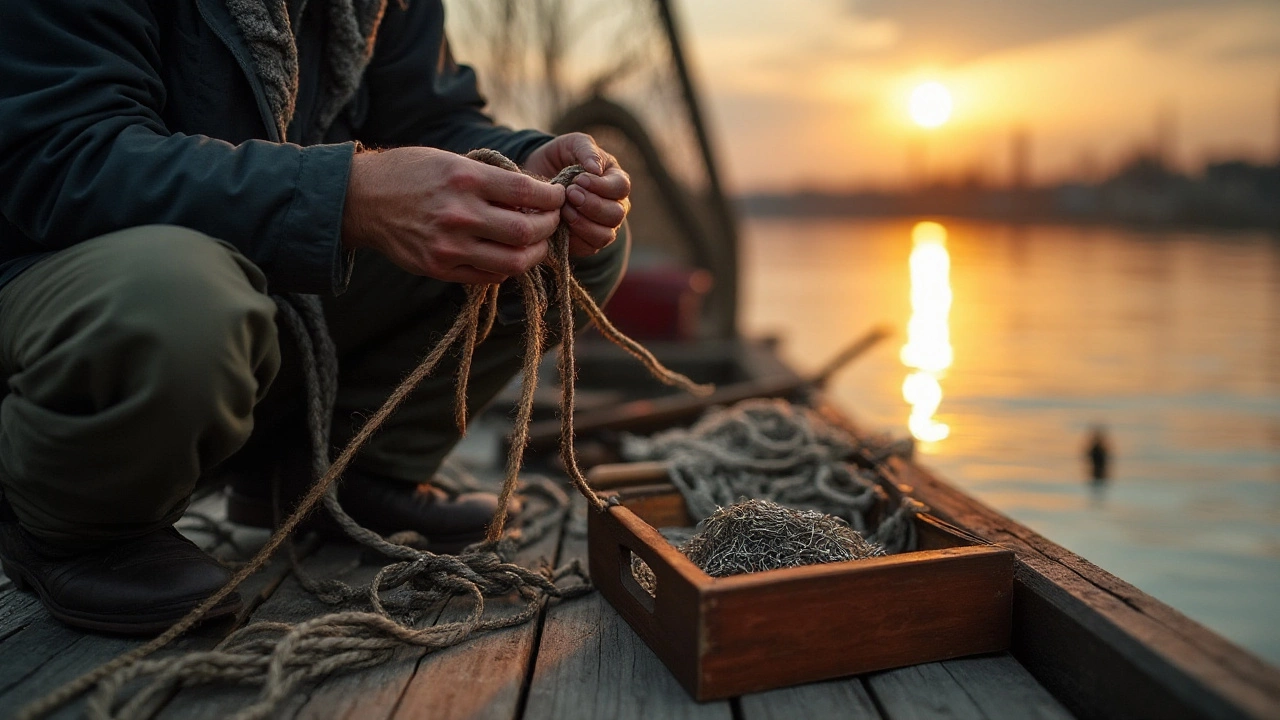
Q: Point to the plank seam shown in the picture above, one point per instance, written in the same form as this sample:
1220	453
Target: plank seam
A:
965	689
526	683
867	687
423	654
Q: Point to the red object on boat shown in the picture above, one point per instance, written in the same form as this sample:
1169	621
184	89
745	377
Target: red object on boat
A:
660	303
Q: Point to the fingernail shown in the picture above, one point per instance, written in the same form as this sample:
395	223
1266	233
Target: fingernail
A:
569	214
576	196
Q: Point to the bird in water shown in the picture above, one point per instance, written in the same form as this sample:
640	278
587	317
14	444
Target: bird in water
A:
1098	453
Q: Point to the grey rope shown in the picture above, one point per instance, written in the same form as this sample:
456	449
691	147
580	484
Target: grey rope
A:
773	450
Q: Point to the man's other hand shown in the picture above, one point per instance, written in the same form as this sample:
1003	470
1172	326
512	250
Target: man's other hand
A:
597	201
442	215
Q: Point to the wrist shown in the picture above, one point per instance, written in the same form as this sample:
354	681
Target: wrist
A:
355	212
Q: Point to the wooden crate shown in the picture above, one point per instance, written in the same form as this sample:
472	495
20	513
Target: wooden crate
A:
723	637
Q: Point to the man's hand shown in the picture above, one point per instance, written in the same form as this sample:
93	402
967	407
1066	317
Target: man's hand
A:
597	199
445	216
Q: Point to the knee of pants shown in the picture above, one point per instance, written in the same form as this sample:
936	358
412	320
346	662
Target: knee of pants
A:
174	331
133	362
191	312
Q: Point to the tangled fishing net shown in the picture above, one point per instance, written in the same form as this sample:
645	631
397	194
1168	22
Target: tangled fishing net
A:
756	535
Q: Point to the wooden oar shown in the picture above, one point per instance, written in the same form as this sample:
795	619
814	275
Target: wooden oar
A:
642	416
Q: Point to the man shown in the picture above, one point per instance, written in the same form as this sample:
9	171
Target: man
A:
165	165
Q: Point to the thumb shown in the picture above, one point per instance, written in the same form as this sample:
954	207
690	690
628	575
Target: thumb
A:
587	154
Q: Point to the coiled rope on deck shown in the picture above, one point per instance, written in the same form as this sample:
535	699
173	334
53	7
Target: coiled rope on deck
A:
280	656
770	449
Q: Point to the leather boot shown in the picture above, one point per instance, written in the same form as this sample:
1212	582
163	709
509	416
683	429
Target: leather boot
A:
137	587
449	522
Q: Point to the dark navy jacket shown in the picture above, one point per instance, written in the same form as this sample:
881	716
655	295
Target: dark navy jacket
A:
117	113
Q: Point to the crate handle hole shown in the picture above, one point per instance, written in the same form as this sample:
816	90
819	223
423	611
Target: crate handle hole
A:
638	578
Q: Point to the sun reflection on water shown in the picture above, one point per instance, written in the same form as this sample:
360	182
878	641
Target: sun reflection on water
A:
928	350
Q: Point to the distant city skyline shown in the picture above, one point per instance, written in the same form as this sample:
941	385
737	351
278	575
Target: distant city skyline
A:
814	93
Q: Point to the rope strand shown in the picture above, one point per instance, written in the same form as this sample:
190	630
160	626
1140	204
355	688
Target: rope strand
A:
476	295
535	304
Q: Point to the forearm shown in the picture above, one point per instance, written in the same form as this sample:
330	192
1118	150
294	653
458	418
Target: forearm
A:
280	205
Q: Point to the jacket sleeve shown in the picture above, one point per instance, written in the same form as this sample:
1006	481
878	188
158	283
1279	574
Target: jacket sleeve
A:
83	149
418	95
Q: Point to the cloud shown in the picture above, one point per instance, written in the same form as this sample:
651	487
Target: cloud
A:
957	31
1249	50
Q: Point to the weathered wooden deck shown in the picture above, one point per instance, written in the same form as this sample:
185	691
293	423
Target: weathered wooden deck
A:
578	660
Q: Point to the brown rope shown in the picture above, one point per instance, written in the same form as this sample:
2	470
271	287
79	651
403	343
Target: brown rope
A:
535	304
635	349
470	319
470	328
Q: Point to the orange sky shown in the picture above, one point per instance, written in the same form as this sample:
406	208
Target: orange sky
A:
814	93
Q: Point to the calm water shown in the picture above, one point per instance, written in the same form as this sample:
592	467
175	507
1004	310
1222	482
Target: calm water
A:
1021	339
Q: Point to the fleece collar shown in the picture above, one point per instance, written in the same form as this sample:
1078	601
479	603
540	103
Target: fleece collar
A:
351	28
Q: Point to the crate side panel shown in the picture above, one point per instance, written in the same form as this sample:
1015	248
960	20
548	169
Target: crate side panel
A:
938	605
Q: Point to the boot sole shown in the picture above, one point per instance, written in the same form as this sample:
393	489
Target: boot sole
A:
252	512
115	624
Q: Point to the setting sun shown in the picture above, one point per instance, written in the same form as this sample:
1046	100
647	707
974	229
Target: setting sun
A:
930	104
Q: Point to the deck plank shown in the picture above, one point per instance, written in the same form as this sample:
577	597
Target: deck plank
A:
591	664
44	654
922	692
38	654
463	681
846	699
440	682
289	603
1001	687
17	610
360	695
978	688
47	654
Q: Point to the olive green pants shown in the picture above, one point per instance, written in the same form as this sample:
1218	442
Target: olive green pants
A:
137	362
